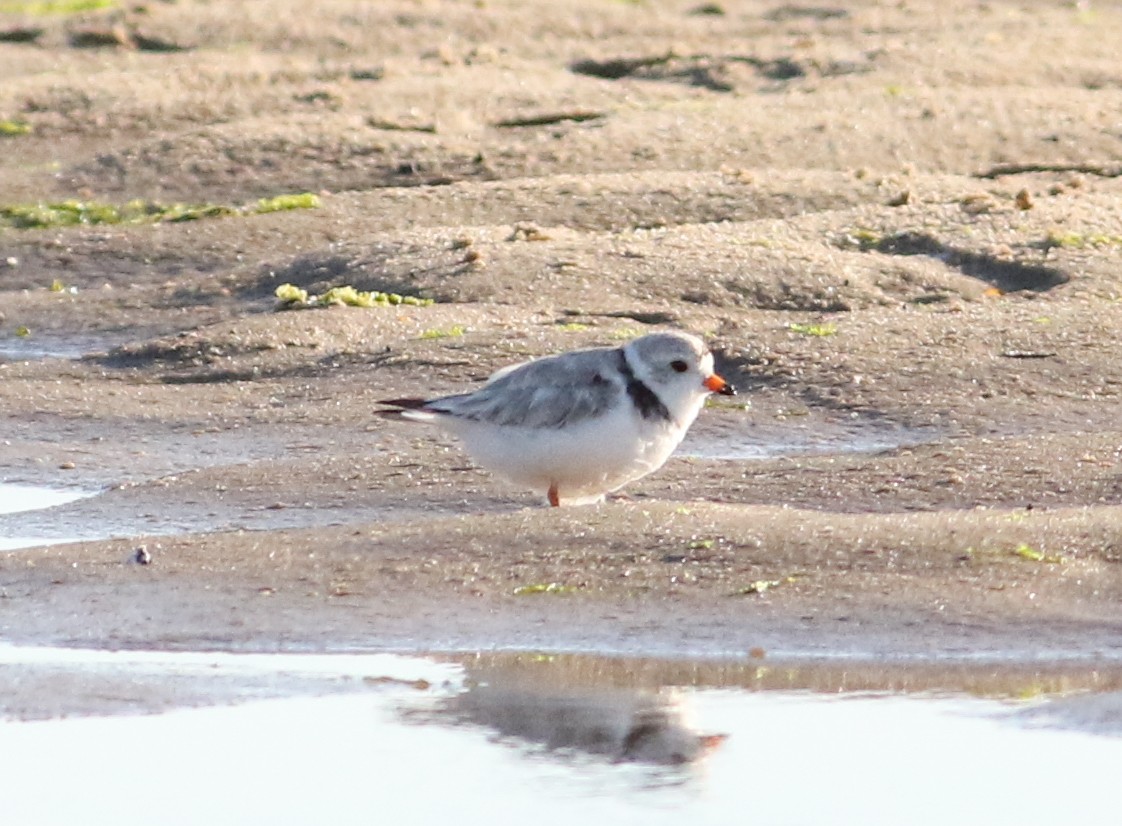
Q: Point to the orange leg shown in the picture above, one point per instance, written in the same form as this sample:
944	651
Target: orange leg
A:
554	496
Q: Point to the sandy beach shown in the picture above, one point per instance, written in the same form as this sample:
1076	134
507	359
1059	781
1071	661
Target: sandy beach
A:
898	226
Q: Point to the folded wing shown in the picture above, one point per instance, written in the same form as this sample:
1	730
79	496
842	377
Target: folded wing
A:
546	393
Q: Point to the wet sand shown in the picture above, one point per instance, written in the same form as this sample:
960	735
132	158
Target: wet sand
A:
897	225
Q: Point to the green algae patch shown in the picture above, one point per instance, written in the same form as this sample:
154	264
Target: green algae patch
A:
47	8
543	588
860	238
74	212
61	214
1026	551
1080	240
14	128
60	286
450	332
1023	551
817	330
348	296
762	586
291	297
281	203
184	212
290	294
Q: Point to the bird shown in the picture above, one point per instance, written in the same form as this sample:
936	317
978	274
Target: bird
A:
580	424
620	724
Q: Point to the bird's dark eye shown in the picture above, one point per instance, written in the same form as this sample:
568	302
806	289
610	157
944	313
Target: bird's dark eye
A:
679	366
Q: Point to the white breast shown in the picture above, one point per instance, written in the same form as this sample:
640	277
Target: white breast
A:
584	460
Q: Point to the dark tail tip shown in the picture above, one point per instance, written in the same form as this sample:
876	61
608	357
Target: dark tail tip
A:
404	404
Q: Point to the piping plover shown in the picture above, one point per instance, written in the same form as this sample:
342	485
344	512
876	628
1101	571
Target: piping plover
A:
585	423
623	725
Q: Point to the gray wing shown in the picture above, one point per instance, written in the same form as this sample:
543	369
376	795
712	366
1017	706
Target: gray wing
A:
549	392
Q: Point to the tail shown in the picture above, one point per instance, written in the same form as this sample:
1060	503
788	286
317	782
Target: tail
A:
405	409
403	404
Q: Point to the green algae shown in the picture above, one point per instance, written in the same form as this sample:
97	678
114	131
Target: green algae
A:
73	212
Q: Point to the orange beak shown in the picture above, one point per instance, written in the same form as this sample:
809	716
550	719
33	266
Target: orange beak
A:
716	384
711	741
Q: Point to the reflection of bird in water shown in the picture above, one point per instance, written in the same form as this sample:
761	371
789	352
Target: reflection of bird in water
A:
642	727
1096	713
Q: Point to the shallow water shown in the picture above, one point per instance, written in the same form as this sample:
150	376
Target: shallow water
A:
19	498
36	347
23	498
742	438
719	437
377	738
26	350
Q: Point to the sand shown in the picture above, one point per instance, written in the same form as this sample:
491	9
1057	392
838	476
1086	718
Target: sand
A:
897	224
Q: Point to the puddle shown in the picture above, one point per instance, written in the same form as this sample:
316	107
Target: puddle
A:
26	350
385	738
122	493
133	513
15	543
743	439
25	498
37	347
157	458
44	682
19	498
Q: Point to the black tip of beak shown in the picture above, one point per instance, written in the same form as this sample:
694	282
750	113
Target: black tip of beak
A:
728	390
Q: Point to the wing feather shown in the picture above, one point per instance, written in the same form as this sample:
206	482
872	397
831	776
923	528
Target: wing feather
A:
549	392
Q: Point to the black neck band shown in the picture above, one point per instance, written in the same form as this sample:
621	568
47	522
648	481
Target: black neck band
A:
646	401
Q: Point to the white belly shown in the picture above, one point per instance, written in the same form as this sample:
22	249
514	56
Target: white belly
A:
583	460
